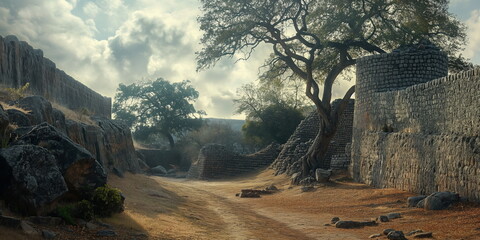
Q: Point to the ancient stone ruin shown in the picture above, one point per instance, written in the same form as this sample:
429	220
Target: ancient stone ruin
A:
21	64
216	161
415	128
338	153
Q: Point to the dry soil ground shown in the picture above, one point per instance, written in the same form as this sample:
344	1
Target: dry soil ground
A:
164	208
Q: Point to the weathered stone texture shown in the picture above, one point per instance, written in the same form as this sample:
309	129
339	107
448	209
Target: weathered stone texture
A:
288	161
21	64
216	161
415	128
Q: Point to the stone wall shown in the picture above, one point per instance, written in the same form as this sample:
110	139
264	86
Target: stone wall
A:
216	161
21	64
415	128
288	161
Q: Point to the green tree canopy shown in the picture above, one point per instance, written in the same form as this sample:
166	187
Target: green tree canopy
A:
318	40
157	107
275	123
253	99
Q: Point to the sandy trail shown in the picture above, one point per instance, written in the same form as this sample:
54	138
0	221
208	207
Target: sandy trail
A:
165	208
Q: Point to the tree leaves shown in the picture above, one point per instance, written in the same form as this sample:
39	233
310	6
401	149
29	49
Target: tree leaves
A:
157	107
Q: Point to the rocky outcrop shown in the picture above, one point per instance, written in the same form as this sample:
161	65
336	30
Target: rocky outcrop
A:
21	64
30	179
78	167
109	141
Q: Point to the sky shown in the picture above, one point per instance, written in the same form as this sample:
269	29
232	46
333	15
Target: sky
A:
104	43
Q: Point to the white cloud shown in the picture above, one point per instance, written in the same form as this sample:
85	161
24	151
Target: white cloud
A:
473	35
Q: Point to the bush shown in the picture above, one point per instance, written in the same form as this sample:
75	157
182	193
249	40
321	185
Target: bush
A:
66	213
84	210
107	201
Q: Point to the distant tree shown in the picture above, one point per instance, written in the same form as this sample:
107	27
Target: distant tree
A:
276	123
157	107
318	40
255	98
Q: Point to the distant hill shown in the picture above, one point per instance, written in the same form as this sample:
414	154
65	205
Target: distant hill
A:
236	124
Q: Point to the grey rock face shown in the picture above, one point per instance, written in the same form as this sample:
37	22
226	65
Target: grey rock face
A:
440	200
19	118
31	180
413	201
396	235
78	167
40	109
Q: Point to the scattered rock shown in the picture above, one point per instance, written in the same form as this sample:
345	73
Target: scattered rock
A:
28	229
103	224
413	201
47	221
106	233
387	231
440	200
375	235
423	235
249	193
296	177
307	181
394	215
307	189
396	235
10	222
31	180
271	188
421	203
322	175
91	226
354	224
327	225
48	234
335	220
413	232
383	218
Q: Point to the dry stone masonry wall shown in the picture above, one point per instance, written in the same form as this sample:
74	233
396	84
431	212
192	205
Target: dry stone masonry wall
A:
415	128
217	161
338	153
21	64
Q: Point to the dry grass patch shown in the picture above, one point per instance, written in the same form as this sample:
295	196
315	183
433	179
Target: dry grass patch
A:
78	116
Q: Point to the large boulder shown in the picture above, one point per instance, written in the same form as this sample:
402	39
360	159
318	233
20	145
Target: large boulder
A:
440	200
40	109
78	166
18	118
30	180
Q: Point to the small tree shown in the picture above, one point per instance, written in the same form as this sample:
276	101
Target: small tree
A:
276	123
318	40
157	107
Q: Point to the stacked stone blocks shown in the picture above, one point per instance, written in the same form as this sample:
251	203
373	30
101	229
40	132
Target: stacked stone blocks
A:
415	128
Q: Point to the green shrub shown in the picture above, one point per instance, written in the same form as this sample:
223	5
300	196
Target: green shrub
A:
84	210
107	201
66	213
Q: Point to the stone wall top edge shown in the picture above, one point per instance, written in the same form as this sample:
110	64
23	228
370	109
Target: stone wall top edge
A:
438	81
400	54
49	62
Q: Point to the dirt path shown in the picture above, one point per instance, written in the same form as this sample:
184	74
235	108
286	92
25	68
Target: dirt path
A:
179	209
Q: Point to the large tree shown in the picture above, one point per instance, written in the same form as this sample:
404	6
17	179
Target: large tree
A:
157	107
318	40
